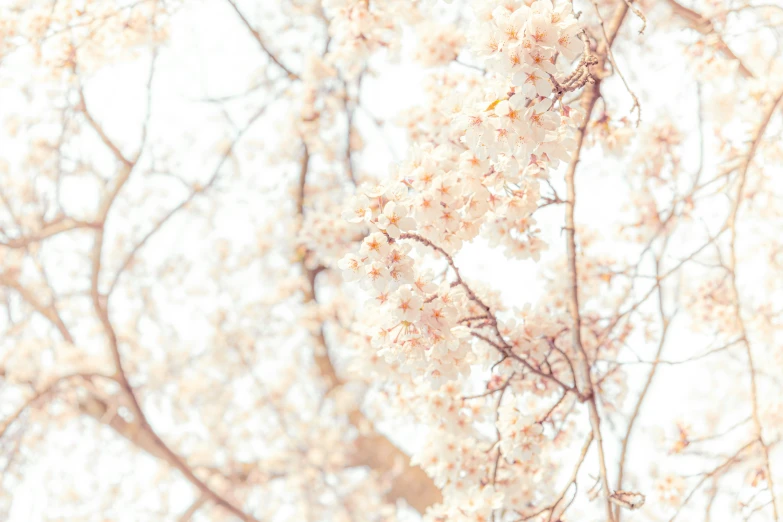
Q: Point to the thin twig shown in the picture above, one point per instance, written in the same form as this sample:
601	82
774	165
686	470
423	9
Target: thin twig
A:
756	140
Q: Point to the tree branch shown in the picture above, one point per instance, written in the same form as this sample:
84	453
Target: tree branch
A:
589	97
704	26
756	140
261	43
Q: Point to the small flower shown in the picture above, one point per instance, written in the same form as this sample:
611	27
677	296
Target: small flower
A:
399	254
542	59
507	62
396	191
426	207
375	192
445	190
375	246
351	266
474	123
406	305
358	210
533	81
487	42
401	273
512	25
568	42
540	29
440	315
511	112
541	119
424	283
377	275
394	220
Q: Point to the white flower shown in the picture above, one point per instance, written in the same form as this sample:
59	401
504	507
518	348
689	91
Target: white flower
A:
424	174
472	164
540	29
377	275
438	44
562	13
351	266
568	42
427	207
512	25
511	112
483	499
375	192
487	42
396	191
504	140
424	283
375	246
492	498
524	146
541	119
399	254
541	58
401	273
478	204
557	150
440	315
358	210
394	220
474	123
445	190
533	81
406	305
508	62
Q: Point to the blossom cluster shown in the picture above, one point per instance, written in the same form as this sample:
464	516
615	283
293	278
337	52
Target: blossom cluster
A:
487	148
506	140
360	28
422	333
438	44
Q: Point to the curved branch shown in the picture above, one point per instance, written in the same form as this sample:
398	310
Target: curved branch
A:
756	140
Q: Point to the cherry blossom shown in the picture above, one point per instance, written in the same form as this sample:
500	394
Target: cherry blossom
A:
394	220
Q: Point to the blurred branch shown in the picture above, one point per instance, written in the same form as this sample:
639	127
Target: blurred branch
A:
101	132
41	393
571	481
196	191
48	311
710	474
665	323
141	426
141	435
187	515
758	135
705	26
50	229
261	43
